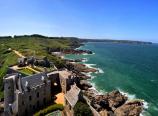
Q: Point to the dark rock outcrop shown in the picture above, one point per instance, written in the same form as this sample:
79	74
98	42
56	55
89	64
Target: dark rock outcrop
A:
116	99
132	108
74	51
85	84
114	104
79	67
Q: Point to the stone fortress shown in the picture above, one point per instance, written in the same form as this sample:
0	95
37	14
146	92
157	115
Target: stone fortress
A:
24	95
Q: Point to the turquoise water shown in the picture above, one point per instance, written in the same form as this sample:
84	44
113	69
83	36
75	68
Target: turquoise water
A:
132	69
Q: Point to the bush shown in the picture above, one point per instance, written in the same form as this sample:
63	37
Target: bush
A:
49	109
82	109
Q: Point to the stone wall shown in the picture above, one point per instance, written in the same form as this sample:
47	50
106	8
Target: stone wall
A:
8	92
33	100
95	113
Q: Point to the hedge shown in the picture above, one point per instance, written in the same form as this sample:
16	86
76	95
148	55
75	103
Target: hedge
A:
49	109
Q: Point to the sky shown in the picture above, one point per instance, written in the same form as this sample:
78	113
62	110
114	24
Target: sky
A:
103	19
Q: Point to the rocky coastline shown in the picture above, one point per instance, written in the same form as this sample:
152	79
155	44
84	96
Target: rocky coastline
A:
109	104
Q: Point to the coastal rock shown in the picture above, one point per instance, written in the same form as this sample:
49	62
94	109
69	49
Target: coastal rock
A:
132	108
103	113
85	83
91	93
74	51
101	101
87	70
116	99
109	101
74	60
79	67
83	68
106	113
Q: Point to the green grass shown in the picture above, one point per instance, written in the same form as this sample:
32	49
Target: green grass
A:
49	109
34	45
9	59
26	71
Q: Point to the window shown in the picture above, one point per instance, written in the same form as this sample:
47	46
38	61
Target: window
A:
69	107
33	107
30	98
38	94
23	103
26	112
44	101
37	104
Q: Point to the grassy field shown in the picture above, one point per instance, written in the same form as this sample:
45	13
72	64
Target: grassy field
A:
34	45
26	71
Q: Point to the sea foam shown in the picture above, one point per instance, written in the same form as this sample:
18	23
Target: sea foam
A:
130	96
99	70
84	59
90	65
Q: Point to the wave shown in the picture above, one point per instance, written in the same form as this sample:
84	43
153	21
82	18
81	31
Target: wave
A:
88	54
93	66
130	96
84	59
98	91
78	48
85	54
90	65
87	74
99	70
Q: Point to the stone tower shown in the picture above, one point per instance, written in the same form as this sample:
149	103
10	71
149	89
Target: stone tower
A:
8	91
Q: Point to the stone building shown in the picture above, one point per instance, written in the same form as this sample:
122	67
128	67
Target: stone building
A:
66	80
24	95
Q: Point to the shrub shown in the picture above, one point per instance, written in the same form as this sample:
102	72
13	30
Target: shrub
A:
49	109
82	109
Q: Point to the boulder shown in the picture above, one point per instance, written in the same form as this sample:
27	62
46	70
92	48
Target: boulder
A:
85	83
103	113
132	108
116	99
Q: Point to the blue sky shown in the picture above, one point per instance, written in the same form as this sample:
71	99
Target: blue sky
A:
113	19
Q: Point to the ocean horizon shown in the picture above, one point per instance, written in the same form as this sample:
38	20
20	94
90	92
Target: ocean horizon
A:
129	68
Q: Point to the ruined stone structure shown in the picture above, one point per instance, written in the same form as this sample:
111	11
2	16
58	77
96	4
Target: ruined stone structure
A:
25	95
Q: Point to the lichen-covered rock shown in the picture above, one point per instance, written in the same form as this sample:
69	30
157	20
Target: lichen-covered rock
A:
116	99
132	108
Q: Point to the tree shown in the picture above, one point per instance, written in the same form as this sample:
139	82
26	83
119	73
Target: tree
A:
82	109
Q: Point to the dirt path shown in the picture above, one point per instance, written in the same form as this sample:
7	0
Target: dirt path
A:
28	67
18	53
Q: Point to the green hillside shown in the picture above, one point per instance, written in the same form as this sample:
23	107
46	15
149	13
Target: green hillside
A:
31	45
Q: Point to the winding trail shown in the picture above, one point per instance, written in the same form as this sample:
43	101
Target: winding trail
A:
28	67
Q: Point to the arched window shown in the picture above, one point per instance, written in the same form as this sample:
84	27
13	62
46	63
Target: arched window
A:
37	95
37	104
44	101
30	98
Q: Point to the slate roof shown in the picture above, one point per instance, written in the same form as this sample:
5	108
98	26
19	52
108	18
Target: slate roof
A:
33	80
72	96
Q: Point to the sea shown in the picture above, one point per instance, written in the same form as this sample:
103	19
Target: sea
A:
130	68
